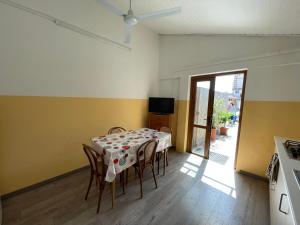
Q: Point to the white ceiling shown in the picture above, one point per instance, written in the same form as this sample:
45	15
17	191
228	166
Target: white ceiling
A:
222	16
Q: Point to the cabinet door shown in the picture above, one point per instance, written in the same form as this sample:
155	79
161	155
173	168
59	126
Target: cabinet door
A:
278	195
158	121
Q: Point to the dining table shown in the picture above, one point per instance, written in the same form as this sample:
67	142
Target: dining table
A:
120	149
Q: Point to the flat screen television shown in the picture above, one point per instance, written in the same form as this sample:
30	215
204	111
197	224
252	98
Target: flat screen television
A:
161	105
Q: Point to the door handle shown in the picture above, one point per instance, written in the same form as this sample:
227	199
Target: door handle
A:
280	203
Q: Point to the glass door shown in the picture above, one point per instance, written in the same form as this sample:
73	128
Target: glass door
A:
200	119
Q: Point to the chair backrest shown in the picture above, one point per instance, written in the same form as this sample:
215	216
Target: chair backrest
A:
94	158
115	130
166	130
146	153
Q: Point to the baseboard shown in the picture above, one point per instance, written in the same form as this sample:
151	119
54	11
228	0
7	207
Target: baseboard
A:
253	176
42	183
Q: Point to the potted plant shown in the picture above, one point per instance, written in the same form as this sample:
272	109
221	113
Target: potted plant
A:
224	118
213	135
218	106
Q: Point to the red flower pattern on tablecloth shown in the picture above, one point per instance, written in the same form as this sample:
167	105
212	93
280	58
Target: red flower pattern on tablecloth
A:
116	161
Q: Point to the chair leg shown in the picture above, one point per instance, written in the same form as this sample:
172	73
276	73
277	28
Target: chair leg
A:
96	183
165	159
123	181
113	193
127	172
101	188
90	184
141	181
158	159
135	171
152	167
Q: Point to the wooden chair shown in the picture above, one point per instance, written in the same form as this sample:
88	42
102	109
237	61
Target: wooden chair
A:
165	151
146	158
98	171
115	130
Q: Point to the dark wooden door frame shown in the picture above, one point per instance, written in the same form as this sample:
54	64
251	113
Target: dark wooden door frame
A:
193	91
212	76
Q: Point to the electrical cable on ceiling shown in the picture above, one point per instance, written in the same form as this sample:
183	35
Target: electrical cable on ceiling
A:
66	25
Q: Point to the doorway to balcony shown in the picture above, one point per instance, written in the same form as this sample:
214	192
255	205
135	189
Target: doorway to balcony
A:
215	116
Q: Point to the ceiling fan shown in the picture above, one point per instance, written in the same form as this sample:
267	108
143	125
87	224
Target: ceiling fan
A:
130	19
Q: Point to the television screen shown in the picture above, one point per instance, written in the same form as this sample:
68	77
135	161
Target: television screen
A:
161	105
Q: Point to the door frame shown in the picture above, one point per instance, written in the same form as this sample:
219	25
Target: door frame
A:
213	76
193	91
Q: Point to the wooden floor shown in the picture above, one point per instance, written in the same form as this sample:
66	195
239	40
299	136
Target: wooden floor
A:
194	191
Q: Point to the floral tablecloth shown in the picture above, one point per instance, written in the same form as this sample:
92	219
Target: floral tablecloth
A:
120	149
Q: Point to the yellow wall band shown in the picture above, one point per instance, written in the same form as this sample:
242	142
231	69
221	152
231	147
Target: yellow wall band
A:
182	125
41	137
262	120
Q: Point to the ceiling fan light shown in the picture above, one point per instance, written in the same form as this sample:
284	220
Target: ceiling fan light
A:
131	20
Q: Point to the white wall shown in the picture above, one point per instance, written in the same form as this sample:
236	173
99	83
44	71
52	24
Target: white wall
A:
273	63
40	58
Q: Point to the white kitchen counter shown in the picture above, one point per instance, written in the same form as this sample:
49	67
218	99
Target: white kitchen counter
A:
287	165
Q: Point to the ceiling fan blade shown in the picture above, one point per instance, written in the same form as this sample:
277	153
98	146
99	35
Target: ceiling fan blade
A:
127	32
106	4
160	13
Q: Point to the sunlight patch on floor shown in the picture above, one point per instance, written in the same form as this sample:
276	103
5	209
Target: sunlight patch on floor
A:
220	173
233	194
218	176
216	185
189	169
194	159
